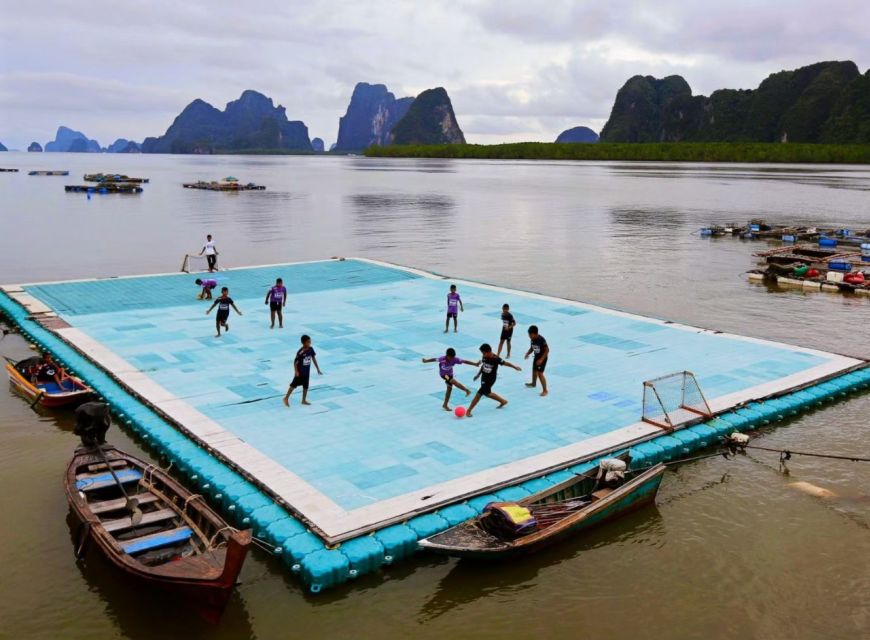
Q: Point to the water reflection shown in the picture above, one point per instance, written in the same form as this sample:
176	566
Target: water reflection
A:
382	220
471	580
646	223
835	179
419	165
143	612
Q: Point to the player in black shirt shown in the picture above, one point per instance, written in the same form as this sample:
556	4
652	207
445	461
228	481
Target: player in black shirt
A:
507	329
223	314
489	365
541	350
302	370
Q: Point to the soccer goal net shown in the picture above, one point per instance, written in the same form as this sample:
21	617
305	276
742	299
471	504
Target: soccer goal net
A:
193	262
673	399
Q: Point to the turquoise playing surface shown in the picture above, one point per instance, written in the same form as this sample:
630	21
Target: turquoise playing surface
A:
376	429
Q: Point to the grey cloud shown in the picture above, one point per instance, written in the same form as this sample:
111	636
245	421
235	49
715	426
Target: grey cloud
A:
514	69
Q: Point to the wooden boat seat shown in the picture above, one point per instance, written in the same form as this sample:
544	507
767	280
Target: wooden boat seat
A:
113	526
92	482
156	540
105	506
101	466
601	493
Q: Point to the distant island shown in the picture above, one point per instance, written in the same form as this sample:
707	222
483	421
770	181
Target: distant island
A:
67	140
3	147
578	134
827	103
250	124
822	112
370	117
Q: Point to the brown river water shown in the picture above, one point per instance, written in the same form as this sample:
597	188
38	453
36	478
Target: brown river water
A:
731	550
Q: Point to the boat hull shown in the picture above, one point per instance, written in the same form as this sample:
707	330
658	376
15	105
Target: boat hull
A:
631	497
77	393
206	579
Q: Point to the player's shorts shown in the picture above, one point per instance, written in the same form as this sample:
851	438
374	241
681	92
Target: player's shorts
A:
452	314
485	389
540	367
448	380
275	306
507	334
223	316
301	381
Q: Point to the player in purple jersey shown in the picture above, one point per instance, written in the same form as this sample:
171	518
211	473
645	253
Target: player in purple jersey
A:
305	357
207	286
445	370
276	298
454	306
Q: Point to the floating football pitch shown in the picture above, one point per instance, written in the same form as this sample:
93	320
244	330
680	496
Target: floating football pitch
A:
376	446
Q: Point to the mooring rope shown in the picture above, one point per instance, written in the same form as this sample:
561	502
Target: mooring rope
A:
786	454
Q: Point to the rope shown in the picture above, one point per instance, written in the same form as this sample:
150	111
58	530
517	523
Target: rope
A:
265	546
786	454
190	499
219	531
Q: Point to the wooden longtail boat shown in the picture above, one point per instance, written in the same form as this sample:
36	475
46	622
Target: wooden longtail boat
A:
560	512
48	173
179	544
48	394
112	177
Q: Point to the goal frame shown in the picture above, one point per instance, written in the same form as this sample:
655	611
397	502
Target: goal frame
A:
668	424
186	262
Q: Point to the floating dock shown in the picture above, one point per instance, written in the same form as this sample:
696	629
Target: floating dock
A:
112	177
223	186
349	484
105	187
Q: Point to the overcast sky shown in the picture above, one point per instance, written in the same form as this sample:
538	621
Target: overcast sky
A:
515	69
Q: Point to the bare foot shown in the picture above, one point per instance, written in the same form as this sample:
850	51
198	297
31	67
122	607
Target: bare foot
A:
217	335
445	331
286	401
501	406
544	393
305	402
226	327
467	392
456	331
445	407
468	415
530	385
272	327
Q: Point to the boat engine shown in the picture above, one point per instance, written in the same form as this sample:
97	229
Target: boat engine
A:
92	422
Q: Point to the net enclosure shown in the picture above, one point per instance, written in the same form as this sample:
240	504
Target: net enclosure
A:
673	399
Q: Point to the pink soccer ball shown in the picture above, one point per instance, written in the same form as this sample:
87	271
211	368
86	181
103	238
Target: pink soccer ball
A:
459	412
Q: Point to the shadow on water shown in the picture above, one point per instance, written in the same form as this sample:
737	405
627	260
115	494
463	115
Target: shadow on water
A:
470	580
143	612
